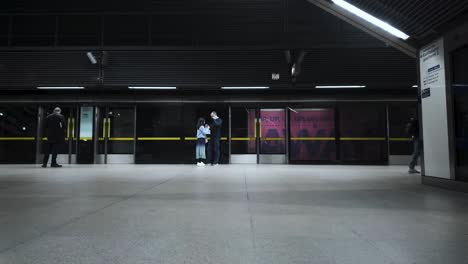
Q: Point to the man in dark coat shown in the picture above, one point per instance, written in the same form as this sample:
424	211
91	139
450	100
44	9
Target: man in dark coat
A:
55	128
214	145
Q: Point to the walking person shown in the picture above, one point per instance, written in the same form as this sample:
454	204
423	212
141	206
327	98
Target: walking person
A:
203	130
412	128
55	128
215	142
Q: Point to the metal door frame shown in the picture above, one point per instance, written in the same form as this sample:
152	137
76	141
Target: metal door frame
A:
106	158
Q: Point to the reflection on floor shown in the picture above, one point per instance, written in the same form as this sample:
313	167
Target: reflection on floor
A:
227	214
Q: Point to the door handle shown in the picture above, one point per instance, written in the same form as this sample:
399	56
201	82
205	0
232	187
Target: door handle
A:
68	127
103	128
108	127
73	128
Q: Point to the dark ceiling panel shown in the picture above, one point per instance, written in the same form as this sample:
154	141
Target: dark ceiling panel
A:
172	29
252	23
194	68
79	30
4	28
255	21
34	30
121	30
379	67
20	70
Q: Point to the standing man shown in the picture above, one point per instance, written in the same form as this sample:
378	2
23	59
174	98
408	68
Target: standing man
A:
412	128
215	141
55	128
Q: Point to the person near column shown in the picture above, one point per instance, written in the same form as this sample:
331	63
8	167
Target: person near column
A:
412	128
55	128
215	141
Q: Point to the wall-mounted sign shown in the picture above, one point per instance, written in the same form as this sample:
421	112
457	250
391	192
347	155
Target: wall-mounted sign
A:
426	93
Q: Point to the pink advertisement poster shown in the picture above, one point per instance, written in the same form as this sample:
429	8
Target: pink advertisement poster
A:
273	131
309	132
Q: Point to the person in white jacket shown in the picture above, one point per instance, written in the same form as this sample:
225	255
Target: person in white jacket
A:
203	130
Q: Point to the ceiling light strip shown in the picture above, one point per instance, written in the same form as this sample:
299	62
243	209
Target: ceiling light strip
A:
244	87
371	19
339	86
60	88
152	87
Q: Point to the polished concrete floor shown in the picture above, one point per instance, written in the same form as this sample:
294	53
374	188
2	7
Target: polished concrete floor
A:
227	214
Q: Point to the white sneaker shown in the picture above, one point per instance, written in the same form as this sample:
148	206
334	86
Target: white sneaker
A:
198	164
202	164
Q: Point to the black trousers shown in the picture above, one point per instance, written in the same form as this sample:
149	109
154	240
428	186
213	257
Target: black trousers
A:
51	148
214	152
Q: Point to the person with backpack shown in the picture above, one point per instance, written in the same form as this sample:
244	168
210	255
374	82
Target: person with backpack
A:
412	129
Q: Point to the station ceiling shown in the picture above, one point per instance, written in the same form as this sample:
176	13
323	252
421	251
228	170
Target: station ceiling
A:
208	43
264	19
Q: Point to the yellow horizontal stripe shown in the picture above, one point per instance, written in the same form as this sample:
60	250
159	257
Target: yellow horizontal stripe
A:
242	139
17	138
233	139
66	139
121	139
158	138
118	139
363	139
313	138
223	138
194	138
400	139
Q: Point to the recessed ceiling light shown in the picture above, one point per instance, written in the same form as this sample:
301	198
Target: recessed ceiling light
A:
243	87
340	86
371	19
415	86
60	88
152	87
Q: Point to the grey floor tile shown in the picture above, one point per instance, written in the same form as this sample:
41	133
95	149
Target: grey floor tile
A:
227	214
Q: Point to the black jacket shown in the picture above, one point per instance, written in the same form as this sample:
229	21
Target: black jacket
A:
412	128
55	128
215	128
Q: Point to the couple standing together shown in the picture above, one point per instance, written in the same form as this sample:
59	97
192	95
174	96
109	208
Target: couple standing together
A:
214	131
